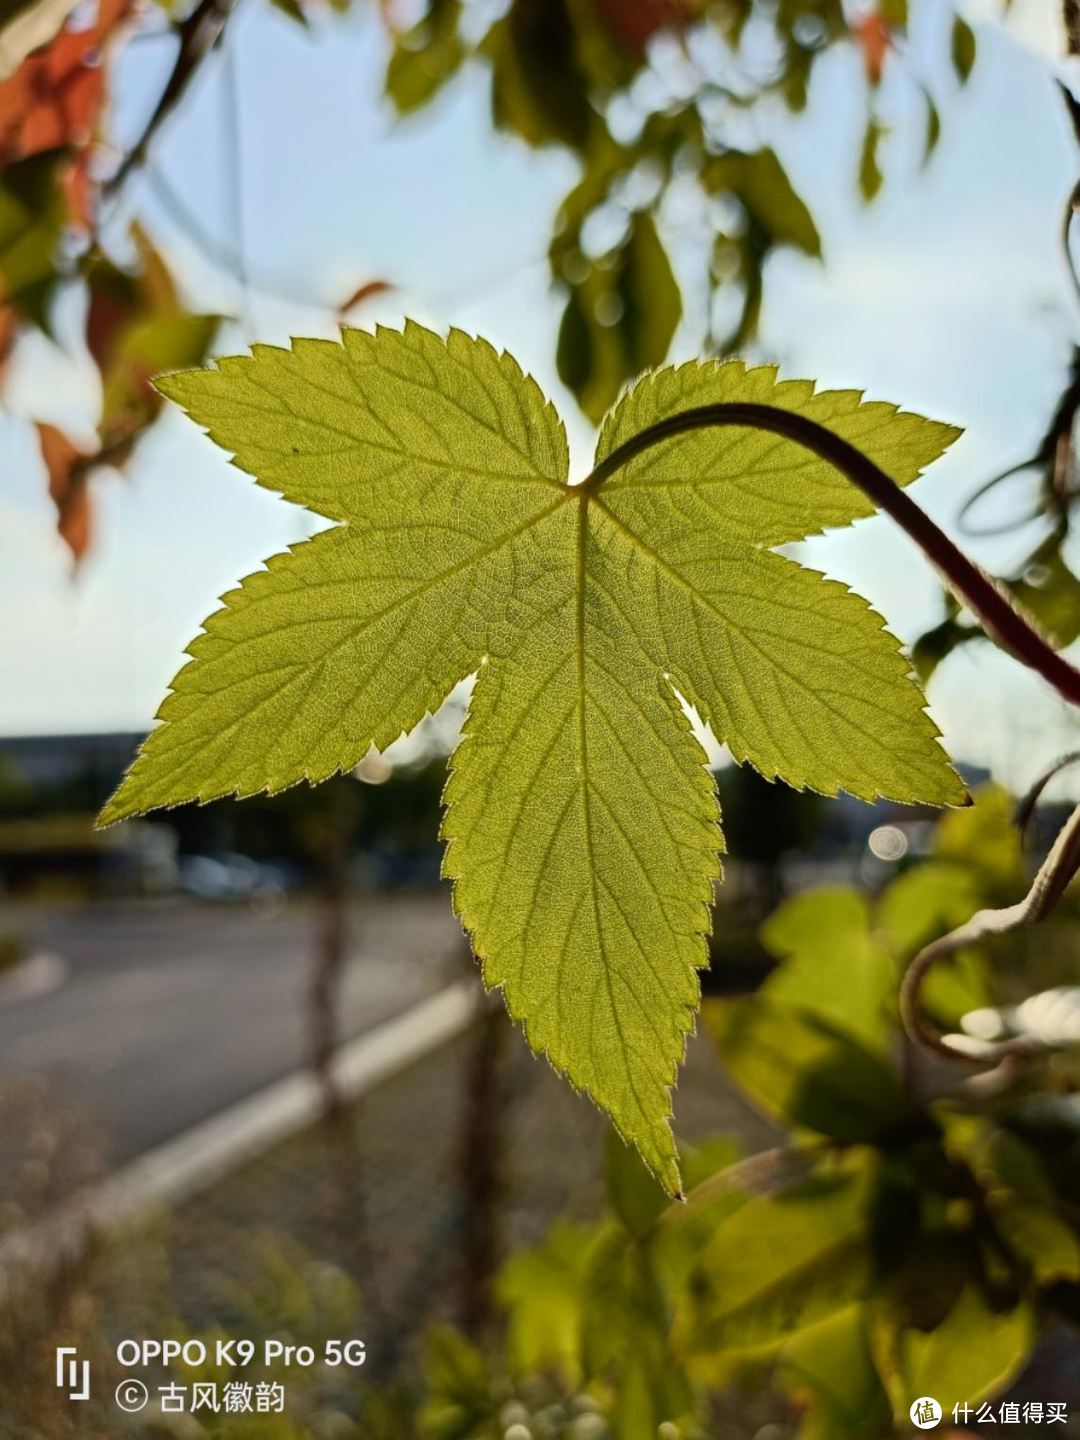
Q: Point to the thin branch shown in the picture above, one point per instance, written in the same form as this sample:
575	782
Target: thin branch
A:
221	255
235	171
1071	207
1012	522
1055	448
996	612
198	34
1055	873
763	1173
1026	807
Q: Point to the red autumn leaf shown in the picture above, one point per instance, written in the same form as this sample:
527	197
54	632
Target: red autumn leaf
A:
365	292
135	328
874	39
68	473
54	99
106	316
633	23
78	188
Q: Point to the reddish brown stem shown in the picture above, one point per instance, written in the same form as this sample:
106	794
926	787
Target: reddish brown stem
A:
997	614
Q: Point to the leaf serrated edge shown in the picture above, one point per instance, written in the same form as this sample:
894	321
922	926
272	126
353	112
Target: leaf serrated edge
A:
684	1020
703	366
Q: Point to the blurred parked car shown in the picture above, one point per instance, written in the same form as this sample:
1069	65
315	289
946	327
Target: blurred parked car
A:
64	854
232	879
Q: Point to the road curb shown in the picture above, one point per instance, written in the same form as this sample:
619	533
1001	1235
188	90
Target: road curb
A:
36	975
197	1157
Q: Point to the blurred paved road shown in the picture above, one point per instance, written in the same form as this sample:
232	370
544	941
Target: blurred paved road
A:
171	1010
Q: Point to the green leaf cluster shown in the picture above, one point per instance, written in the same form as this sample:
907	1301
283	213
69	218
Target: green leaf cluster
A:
902	1246
1044	587
31	224
580	75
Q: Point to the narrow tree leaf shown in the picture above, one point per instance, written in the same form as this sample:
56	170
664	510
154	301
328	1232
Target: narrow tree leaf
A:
538	86
293	9
650	295
653	1385
963	48
874	38
582	823
1050	593
933	129
31	222
54	98
922	903
984	836
67	470
870	176
633	23
425	57
367	291
619	319
764	189
938	643
1019	1195
461	1395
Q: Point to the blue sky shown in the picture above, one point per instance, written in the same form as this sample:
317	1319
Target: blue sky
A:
948	295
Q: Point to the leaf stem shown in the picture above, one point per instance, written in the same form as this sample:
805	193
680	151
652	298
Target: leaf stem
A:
997	614
1054	875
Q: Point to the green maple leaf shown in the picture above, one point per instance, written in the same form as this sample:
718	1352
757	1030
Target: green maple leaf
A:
581	822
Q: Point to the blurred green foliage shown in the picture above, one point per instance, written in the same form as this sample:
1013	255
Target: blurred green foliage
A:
921	1233
915	1235
915	1232
654	98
